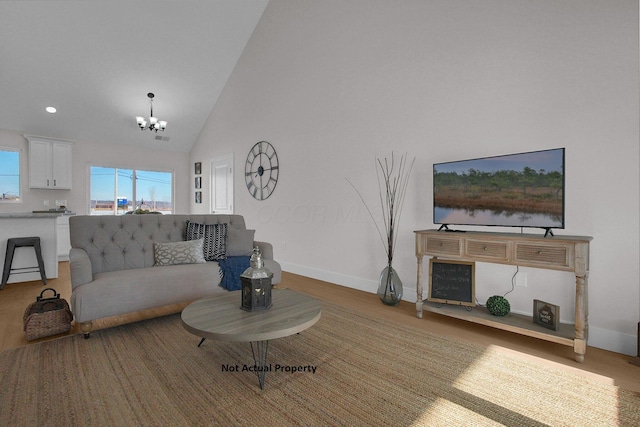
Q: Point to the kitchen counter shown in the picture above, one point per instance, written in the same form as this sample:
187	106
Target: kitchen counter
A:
35	214
28	215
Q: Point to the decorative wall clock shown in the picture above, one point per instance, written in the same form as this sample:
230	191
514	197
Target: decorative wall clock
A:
261	170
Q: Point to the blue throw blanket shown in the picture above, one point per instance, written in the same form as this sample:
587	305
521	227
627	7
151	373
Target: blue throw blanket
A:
232	267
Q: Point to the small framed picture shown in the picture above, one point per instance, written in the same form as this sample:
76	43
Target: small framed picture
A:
198	196
198	168
198	182
546	314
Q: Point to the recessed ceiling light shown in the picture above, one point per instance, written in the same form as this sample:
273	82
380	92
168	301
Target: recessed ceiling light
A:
51	110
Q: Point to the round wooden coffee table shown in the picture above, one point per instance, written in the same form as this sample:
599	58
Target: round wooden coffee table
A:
220	318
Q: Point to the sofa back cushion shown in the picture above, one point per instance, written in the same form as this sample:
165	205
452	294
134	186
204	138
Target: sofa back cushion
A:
126	241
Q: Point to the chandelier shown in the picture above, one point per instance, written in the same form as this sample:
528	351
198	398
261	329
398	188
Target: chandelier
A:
154	123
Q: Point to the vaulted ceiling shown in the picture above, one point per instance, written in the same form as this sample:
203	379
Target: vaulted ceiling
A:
95	62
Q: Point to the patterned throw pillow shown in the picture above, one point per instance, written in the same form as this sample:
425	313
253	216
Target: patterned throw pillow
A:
215	238
172	253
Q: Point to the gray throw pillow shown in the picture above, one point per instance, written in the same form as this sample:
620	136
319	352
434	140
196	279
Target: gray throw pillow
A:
239	241
173	253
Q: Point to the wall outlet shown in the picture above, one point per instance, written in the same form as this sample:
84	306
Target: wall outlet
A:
521	280
45	203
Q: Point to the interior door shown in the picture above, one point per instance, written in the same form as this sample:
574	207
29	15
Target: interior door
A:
222	184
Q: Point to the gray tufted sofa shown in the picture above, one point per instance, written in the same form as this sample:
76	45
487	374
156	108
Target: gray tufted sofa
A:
112	264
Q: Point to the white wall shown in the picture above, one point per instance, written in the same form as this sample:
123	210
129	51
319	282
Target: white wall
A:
334	84
86	154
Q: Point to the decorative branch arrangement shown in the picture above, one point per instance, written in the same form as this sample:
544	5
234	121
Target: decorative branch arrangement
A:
393	179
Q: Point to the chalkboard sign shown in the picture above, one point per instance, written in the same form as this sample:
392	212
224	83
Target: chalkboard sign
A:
452	282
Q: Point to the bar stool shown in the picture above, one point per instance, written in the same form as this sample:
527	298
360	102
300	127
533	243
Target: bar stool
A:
19	242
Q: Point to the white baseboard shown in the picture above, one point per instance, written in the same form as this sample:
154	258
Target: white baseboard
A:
371	286
612	341
600	338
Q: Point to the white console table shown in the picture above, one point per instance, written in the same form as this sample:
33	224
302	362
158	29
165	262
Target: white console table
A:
564	253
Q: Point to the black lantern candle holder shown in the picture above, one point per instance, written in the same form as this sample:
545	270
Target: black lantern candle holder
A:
256	284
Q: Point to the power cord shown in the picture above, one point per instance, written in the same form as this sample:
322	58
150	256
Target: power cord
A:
513	280
513	286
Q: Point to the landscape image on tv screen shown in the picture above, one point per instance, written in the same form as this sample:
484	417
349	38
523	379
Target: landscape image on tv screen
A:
516	190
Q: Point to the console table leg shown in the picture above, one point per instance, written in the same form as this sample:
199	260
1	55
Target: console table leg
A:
260	359
582	307
419	289
579	350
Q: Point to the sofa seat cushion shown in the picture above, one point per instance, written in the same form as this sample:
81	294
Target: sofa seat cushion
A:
124	291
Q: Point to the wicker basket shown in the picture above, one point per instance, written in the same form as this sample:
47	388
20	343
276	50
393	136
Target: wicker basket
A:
47	316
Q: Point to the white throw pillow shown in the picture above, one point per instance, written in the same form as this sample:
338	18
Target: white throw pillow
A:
172	253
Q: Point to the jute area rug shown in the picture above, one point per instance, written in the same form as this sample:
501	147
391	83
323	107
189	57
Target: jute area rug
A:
348	369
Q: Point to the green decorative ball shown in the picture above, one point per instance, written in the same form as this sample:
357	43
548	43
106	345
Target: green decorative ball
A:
498	306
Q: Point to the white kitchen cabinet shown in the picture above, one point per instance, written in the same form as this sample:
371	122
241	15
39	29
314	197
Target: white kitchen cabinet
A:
50	163
64	240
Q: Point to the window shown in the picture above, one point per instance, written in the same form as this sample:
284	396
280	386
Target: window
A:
116	191
9	175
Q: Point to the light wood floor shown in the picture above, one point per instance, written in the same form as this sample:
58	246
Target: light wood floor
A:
609	367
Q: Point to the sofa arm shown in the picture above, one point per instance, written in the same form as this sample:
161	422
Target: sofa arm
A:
80	267
266	249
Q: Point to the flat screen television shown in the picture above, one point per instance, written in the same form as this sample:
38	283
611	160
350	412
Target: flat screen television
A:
514	190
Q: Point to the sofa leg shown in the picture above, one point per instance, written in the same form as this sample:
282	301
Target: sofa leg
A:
85	327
